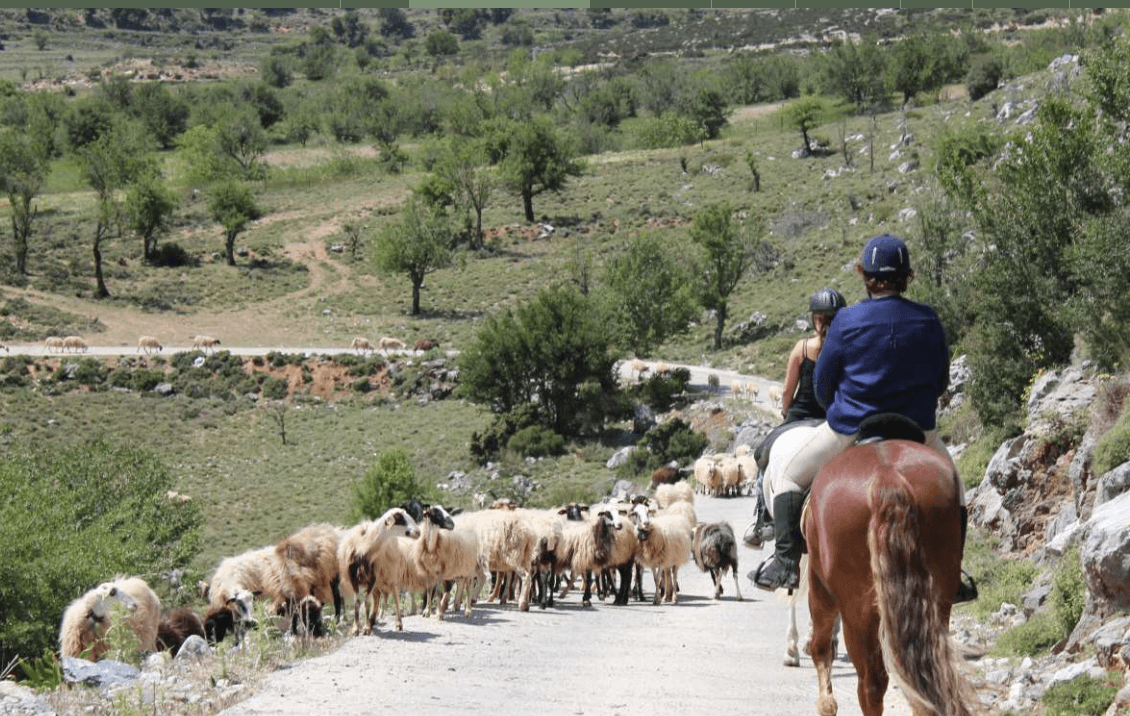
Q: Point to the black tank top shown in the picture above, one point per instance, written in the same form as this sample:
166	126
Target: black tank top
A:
805	405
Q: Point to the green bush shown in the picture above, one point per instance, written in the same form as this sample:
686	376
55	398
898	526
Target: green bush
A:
1068	596
1113	448
1085	696
674	440
387	484
983	77
275	388
90	372
489	443
661	391
536	441
72	518
1034	636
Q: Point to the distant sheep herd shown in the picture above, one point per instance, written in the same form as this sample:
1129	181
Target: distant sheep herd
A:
151	344
533	555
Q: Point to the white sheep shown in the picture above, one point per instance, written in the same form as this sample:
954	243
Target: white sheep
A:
386	344
507	542
737	388
664	546
393	569
205	343
54	344
548	528
87	619
444	553
731	475
587	546
775	396
362	345
149	344
75	344
708	474
751	389
638	367
680	491
232	590
356	548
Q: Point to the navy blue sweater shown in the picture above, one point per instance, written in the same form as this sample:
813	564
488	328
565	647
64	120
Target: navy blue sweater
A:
883	355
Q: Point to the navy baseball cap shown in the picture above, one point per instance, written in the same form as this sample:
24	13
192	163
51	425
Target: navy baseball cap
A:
886	255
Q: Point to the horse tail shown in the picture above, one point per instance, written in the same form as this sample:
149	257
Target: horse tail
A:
915	638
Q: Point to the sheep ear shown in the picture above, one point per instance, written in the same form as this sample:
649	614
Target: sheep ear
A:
562	511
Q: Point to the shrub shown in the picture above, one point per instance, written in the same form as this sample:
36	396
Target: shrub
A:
1034	636
91	372
674	440
361	385
487	445
1113	448
73	517
1068	596
172	255
536	441
661	391
983	77
1085	696
275	388
387	484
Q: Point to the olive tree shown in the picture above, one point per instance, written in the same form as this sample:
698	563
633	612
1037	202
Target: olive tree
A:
419	243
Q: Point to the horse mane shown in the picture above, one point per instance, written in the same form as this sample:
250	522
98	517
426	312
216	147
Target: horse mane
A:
915	636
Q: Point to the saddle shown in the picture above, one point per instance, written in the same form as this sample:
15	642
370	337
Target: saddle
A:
889	426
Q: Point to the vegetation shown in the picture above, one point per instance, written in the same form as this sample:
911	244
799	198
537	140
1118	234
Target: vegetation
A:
388	483
1084	696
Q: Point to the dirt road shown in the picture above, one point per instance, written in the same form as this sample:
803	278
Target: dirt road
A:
695	657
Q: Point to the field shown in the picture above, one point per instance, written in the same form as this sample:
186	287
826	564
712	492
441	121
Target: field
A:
293	286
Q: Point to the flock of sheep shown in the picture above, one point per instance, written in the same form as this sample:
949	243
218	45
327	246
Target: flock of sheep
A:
151	344
725	474
531	554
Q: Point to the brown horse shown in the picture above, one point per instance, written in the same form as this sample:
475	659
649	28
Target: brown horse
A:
884	542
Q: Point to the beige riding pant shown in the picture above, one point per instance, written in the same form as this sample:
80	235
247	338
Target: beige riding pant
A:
816	449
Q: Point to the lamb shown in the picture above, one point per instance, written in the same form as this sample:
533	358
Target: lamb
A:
664	546
356	548
74	343
681	491
362	345
54	344
715	550
149	344
445	553
507	542
176	626
232	589
386	344
205	343
87	619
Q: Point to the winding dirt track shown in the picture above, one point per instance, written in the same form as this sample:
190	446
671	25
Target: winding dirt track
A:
695	657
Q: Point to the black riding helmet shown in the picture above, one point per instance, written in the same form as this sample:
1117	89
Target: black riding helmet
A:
827	301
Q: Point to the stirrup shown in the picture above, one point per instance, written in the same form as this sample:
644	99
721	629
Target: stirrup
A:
966	589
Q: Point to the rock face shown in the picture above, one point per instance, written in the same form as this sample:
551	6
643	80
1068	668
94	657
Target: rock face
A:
1104	550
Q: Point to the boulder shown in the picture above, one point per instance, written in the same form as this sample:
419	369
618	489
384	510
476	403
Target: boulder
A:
1105	555
619	458
1112	484
97	674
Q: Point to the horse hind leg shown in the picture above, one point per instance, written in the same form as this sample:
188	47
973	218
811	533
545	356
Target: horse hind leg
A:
792	653
820	646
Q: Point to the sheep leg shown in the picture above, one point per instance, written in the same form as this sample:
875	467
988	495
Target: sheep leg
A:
626	570
586	599
657	574
737	589
339	601
673	587
716	577
524	594
639	581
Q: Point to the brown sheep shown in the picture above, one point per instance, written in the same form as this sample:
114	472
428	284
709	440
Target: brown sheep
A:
425	344
665	475
176	626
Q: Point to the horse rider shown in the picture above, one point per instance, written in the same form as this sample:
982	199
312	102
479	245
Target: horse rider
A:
798	398
886	354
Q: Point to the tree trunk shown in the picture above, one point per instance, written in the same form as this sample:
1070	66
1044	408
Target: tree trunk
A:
478	228
101	291
229	245
416	297
807	145
720	315
528	203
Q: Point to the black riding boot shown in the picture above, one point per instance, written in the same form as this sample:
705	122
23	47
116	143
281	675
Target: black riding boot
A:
755	536
966	588
782	570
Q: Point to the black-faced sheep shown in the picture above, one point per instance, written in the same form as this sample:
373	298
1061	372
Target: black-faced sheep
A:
444	553
176	626
87	619
232	590
715	550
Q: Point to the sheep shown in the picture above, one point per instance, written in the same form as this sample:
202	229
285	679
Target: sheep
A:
587	546
309	566
386	344
356	548
508	544
665	475
205	343
149	344
87	619
445	553
480	499
425	344
638	367
747	465
715	550
392	570
682	509
752	389
662	369
665	495
775	396
737	388
4	348
664	546
234	585
75	344
548	530
362	345
707	475
176	626
53	344
731	475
